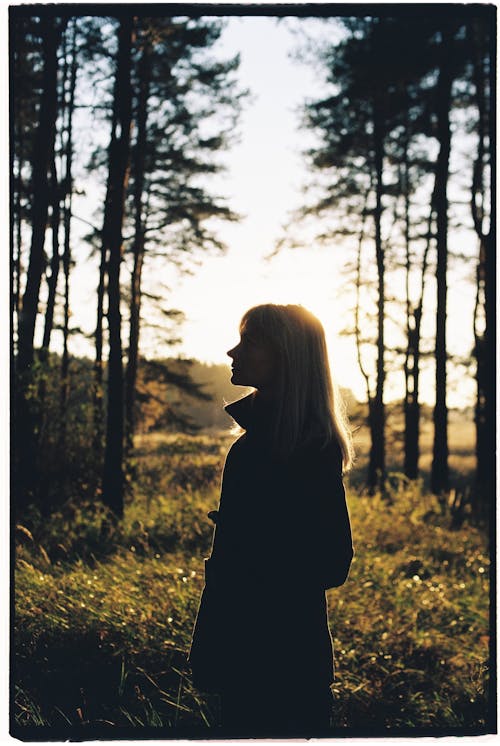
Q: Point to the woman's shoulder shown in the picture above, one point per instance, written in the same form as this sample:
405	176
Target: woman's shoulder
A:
320	450
236	446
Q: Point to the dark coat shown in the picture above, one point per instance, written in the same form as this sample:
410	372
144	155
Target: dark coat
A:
282	538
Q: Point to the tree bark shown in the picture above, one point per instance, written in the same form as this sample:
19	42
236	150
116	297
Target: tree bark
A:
25	425
144	74
412	368
42	157
55	260
440	469
16	226
357	324
98	362
68	190
113	482
483	51
376	467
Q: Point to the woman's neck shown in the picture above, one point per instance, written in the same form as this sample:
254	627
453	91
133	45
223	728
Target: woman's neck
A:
266	394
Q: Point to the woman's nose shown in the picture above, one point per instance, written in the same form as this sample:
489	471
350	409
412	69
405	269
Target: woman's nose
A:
230	353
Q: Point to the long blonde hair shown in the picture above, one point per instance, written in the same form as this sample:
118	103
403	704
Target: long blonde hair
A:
308	404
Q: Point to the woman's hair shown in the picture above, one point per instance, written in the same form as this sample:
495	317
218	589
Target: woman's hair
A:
308	404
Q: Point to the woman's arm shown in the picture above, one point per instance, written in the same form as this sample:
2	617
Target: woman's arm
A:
303	534
334	549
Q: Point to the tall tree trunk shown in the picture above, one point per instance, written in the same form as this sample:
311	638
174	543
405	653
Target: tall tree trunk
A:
113	482
17	234
490	311
482	444
483	46
55	260
68	190
25	425
412	357
412	423
44	417
98	338
144	73
440	470
16	187
98	391
357	323
410	452
376	467
42	158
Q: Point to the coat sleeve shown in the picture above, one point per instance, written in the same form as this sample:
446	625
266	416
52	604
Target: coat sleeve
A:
332	549
316	539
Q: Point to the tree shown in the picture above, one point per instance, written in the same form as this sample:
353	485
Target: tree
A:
68	196
440	471
25	430
171	152
43	154
354	124
119	148
378	128
171	111
482	56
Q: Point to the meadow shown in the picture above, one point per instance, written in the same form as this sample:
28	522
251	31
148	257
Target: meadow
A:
104	612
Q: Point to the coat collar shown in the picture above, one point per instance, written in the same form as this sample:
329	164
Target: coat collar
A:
250	412
241	410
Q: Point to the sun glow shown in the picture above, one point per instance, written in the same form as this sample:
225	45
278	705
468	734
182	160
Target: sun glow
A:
225	288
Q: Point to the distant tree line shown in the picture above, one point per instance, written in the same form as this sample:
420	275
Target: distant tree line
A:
405	91
167	106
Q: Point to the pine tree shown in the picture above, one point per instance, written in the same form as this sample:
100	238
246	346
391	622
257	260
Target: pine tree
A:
118	172
26	426
482	55
168	207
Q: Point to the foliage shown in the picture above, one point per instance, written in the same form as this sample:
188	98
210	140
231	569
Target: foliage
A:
170	105
68	461
102	628
390	175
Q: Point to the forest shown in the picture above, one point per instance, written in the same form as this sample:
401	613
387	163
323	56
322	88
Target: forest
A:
116	452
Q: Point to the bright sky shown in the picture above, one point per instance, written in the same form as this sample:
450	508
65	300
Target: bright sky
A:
263	183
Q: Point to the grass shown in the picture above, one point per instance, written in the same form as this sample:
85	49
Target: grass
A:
103	614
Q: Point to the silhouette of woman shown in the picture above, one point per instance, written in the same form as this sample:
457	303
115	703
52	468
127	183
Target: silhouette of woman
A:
282	537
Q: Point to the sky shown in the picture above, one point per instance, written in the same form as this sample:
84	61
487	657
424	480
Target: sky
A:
266	173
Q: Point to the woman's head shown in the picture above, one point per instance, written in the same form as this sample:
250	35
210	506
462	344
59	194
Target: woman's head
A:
283	354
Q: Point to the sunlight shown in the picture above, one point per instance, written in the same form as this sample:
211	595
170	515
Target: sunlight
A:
225	288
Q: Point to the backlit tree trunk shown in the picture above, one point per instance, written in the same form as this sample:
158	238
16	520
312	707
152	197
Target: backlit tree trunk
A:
42	158
144	73
376	467
483	50
113	482
68	190
25	423
55	259
440	471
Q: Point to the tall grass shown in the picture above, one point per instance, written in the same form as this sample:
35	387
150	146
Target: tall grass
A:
103	613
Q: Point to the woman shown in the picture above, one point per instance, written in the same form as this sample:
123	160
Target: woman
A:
282	535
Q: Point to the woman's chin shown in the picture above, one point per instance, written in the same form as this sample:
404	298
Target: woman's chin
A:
236	379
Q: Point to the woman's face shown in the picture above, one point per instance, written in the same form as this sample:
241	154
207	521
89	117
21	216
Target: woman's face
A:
254	362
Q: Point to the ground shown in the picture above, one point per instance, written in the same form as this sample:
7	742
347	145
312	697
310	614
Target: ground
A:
103	612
